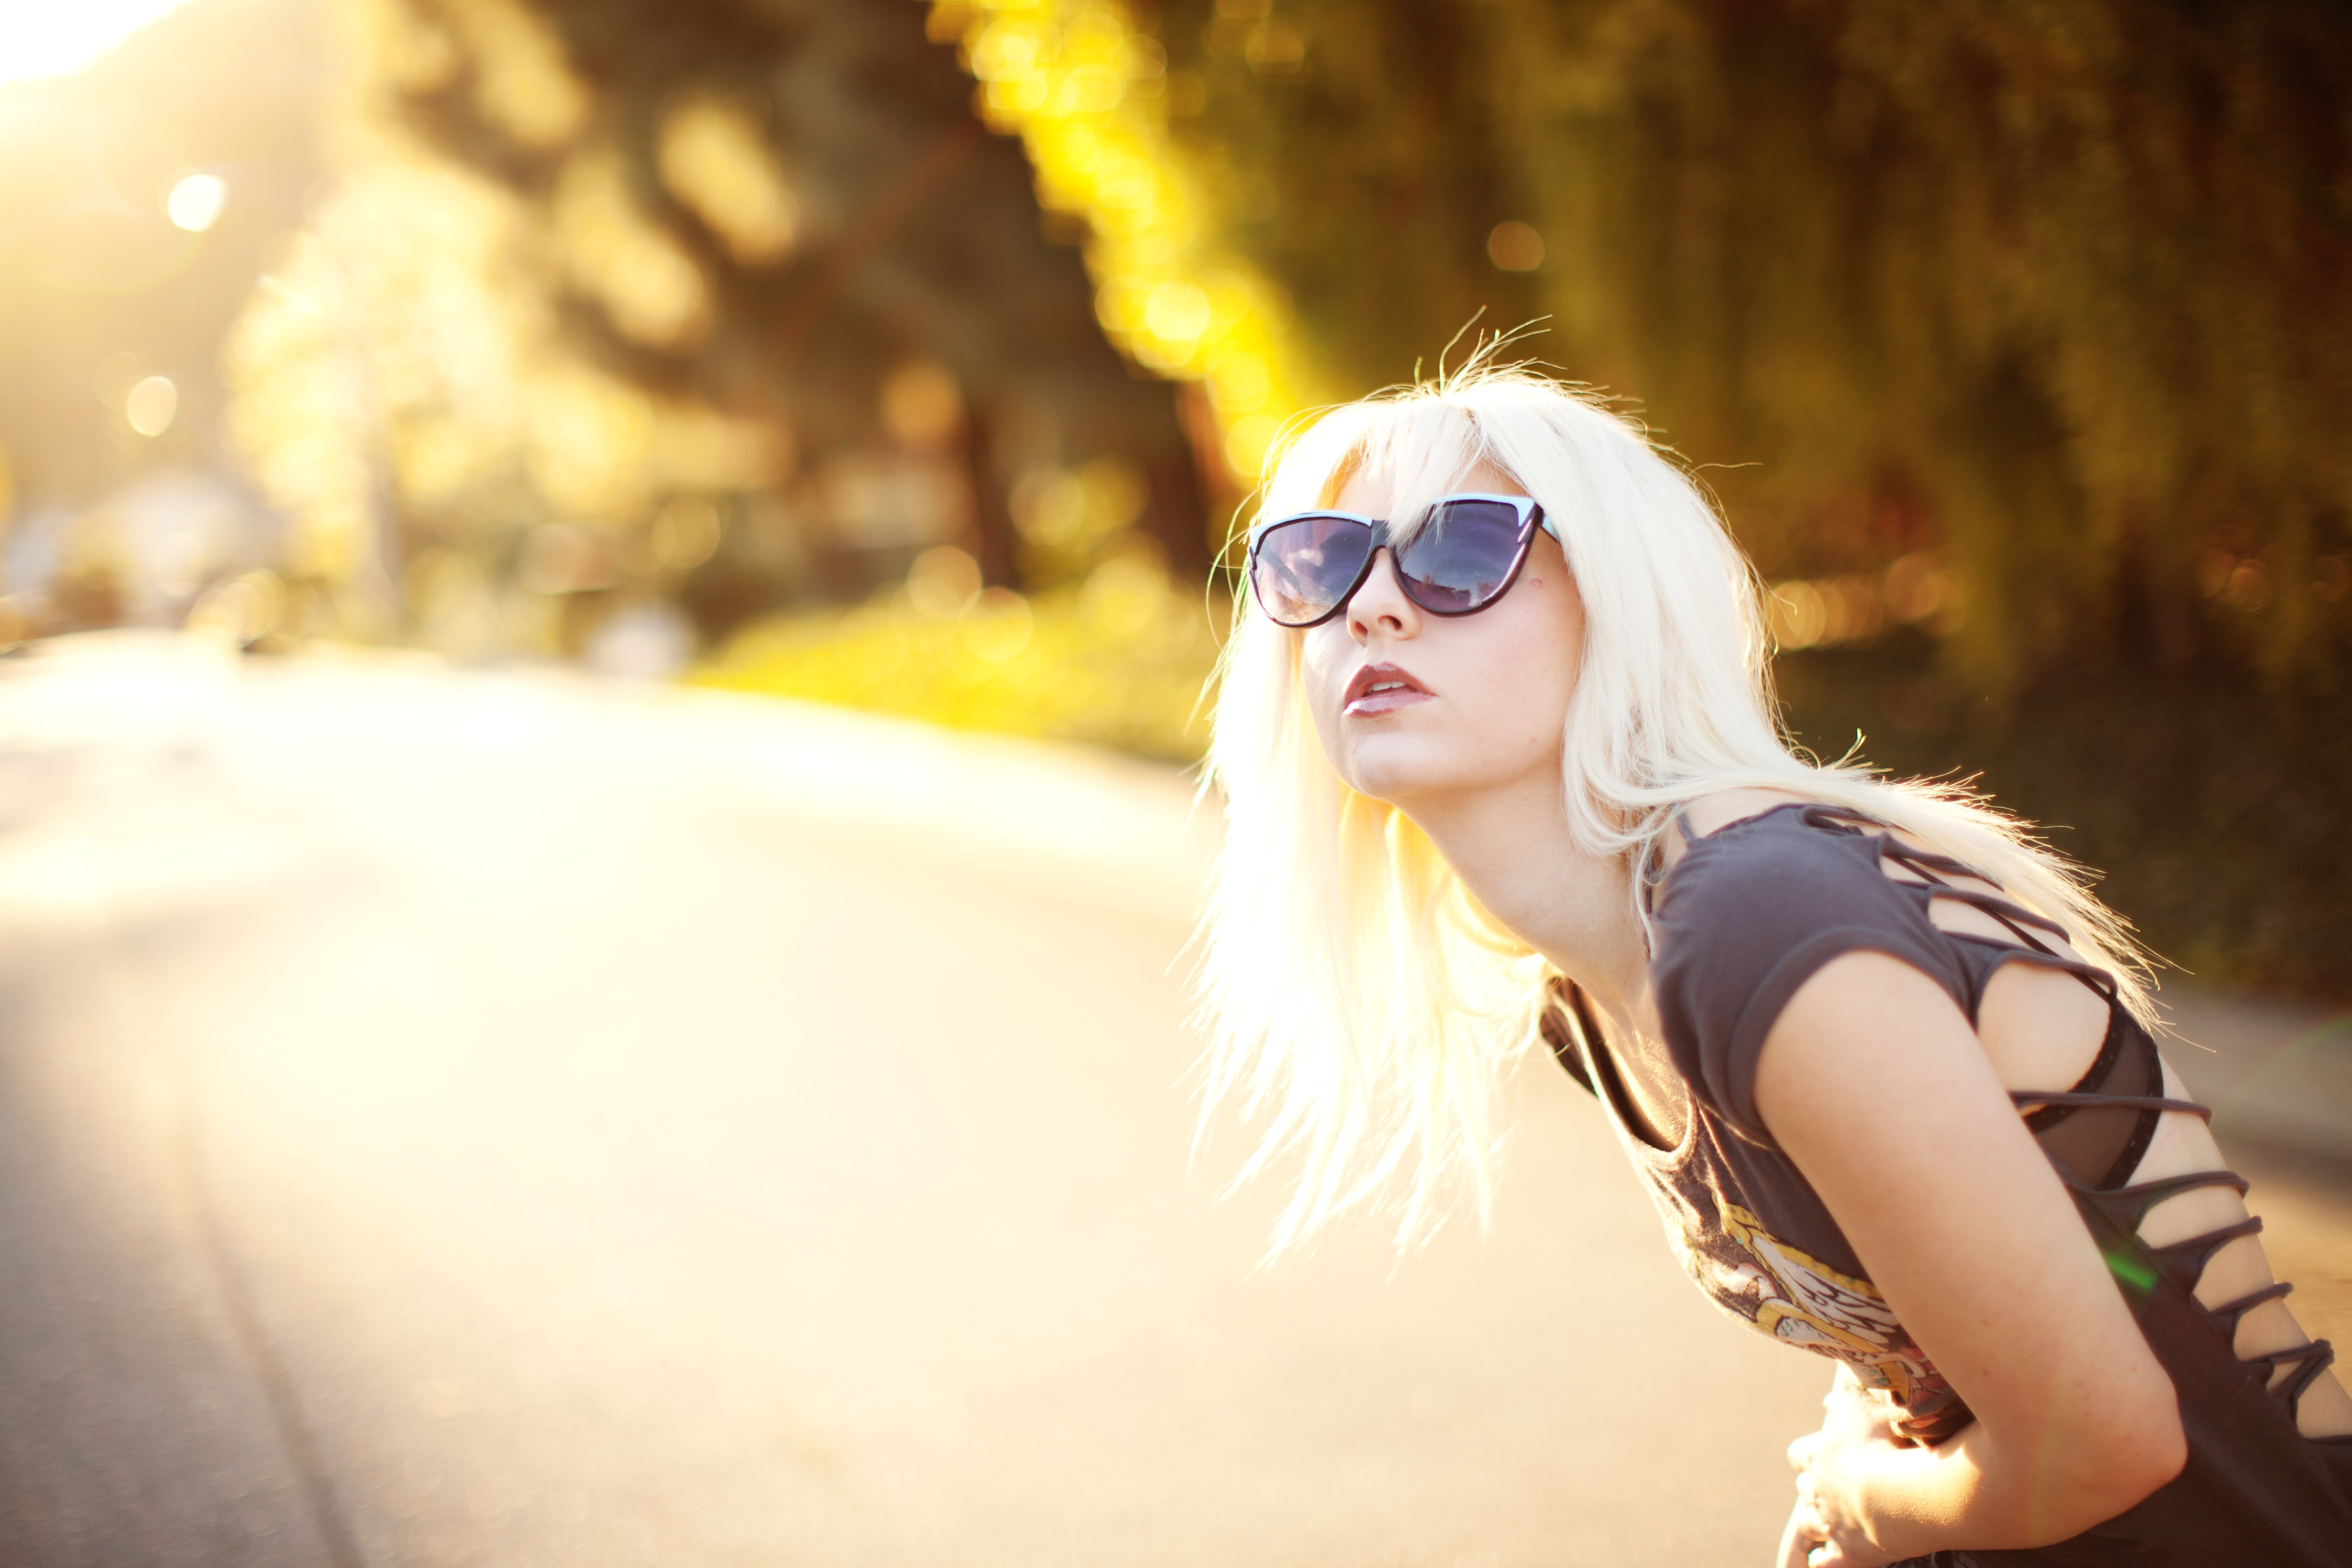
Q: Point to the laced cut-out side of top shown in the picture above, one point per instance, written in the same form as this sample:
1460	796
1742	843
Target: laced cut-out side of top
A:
2127	1076
1740	922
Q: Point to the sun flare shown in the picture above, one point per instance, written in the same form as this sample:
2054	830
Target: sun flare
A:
58	40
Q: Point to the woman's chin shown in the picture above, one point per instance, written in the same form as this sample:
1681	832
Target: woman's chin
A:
1397	768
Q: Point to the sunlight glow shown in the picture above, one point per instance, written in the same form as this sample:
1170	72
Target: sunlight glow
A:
58	40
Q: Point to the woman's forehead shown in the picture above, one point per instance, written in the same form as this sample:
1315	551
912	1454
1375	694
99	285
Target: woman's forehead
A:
1377	492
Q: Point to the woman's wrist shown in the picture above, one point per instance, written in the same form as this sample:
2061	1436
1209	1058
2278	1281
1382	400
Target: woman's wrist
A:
1906	1501
1910	1502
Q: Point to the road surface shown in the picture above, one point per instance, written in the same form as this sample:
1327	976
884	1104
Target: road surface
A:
491	1118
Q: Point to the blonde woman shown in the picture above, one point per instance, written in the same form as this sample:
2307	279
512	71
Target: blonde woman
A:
1500	760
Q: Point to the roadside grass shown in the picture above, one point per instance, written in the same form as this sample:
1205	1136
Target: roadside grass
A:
1121	660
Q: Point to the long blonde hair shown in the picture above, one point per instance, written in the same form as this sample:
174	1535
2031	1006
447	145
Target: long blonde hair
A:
1356	999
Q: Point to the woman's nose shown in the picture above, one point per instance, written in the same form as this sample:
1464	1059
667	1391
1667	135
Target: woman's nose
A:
1381	604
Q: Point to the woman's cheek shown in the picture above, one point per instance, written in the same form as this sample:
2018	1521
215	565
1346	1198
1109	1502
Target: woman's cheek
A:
1541	679
1323	679
1326	685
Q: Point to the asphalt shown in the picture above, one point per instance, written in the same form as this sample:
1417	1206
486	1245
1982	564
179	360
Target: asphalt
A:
477	1118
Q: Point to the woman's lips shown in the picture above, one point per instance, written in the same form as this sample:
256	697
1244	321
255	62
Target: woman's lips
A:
1382	688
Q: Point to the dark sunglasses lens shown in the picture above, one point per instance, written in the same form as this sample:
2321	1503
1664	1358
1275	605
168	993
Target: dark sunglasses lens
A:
1305	566
1461	557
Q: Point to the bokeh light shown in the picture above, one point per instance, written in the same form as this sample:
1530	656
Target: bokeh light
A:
194	201
648	285
1515	246
151	404
943	582
714	157
686	532
921	406
1916	589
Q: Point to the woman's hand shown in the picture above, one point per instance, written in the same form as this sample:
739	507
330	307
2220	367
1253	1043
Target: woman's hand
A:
1825	1528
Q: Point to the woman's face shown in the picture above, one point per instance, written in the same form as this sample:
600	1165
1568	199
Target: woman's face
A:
1413	706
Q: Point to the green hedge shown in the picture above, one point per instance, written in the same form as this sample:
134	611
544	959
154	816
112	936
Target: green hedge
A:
2219	818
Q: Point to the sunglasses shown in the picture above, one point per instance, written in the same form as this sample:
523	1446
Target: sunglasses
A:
1304	568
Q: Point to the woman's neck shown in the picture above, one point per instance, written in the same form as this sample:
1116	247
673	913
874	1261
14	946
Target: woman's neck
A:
1512	847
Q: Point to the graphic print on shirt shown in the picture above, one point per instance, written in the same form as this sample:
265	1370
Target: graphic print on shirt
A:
1800	1300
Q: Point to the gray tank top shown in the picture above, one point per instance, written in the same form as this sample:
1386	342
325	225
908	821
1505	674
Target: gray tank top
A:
1741	922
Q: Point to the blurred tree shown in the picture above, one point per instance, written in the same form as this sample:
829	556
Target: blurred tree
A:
791	211
2015	335
2063	287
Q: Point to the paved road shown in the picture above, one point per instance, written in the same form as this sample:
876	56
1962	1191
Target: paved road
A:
452	1120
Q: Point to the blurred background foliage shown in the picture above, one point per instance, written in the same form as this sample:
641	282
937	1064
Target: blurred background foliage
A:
2015	337
917	354
2058	289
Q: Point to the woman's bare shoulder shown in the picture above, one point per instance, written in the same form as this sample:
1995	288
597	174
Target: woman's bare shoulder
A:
1705	814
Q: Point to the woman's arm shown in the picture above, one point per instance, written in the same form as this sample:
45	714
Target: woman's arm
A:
1873	1084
